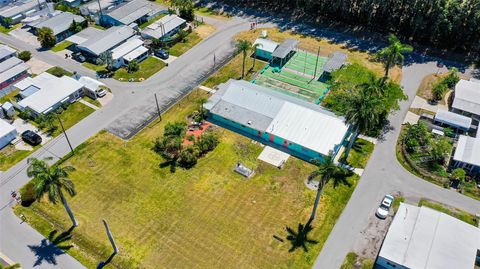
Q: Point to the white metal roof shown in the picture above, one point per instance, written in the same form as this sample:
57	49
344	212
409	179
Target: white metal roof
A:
53	90
9	63
134	54
126	48
134	10
453	119
6	51
15	9
425	238
85	34
468	150
308	128
163	26
60	22
109	39
14	71
266	44
5	128
90	83
467	96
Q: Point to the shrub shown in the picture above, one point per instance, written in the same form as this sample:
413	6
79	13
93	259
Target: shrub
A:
440	149
417	135
175	129
188	157
207	142
459	174
133	66
25	55
438	90
27	194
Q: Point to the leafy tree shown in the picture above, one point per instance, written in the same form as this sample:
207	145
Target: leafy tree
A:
51	181
393	54
201	102
441	148
185	9
459	174
207	142
25	55
106	59
133	66
181	35
243	46
46	37
47	122
417	135
176	129
170	145
188	157
7	22
438	90
76	27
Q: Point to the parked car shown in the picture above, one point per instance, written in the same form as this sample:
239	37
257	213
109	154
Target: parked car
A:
100	92
31	138
385	205
162	54
79	57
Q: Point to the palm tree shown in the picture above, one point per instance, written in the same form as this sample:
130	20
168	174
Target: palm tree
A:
201	102
243	46
51	180
326	170
363	114
393	53
374	86
254	48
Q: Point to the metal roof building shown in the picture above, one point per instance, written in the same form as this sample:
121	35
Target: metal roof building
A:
453	119
11	70
468	150
420	237
285	48
134	10
165	26
300	126
7	133
6	52
52	92
335	62
467	97
266	44
59	23
85	35
108	40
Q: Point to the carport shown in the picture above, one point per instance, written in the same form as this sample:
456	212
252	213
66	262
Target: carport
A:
284	52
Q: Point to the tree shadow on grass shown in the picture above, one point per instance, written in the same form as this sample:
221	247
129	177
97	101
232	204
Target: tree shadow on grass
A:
299	238
49	249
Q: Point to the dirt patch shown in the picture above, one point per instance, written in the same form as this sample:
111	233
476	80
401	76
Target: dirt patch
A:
425	88
37	66
205	30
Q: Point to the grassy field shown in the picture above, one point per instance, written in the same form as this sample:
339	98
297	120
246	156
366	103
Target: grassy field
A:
181	47
6	30
91	101
61	46
454	212
73	114
9	156
95	67
9	96
59	72
233	69
360	153
351	259
147	68
327	47
204	217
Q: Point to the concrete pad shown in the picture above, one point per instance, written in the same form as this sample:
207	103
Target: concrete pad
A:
372	140
107	98
88	104
26	36
418	102
22	126
170	59
207	89
273	156
37	66
411	118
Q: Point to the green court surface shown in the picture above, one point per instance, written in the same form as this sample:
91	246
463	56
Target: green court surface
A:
305	62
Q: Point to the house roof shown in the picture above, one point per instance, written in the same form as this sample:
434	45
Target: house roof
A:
109	39
6	51
134	54
9	63
52	90
60	22
467	96
85	34
14	71
335	62
163	26
90	83
468	150
266	44
126	48
420	237
285	48
134	10
265	110
453	119
5	128
15	8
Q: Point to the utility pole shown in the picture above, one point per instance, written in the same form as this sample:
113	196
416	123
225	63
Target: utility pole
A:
100	12
305	64
316	63
214	60
65	133
158	108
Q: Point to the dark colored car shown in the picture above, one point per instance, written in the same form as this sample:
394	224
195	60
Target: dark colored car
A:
31	138
162	54
79	57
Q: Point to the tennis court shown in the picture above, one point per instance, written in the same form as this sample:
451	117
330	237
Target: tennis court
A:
292	79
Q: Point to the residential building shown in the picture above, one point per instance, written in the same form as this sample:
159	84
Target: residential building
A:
105	40
467	99
45	92
265	48
422	238
19	10
132	49
134	11
7	133
456	121
59	22
6	52
92	87
467	153
303	129
12	70
164	27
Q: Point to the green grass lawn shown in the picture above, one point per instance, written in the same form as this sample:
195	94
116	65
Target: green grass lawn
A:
181	47
148	68
351	260
6	30
59	72
9	96
9	156
91	101
360	153
204	217
95	67
454	212
61	46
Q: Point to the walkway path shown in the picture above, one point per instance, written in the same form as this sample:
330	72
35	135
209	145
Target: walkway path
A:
89	104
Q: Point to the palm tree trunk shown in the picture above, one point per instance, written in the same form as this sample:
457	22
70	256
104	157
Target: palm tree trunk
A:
67	207
350	143
243	65
317	199
254	58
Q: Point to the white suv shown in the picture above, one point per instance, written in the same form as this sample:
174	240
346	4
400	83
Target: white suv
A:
385	205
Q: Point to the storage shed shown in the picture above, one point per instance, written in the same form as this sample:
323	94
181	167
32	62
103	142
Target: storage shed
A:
7	133
265	48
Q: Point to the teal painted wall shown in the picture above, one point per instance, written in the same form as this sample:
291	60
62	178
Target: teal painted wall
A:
264	54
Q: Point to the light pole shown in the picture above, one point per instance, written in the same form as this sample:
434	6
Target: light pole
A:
65	133
158	108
